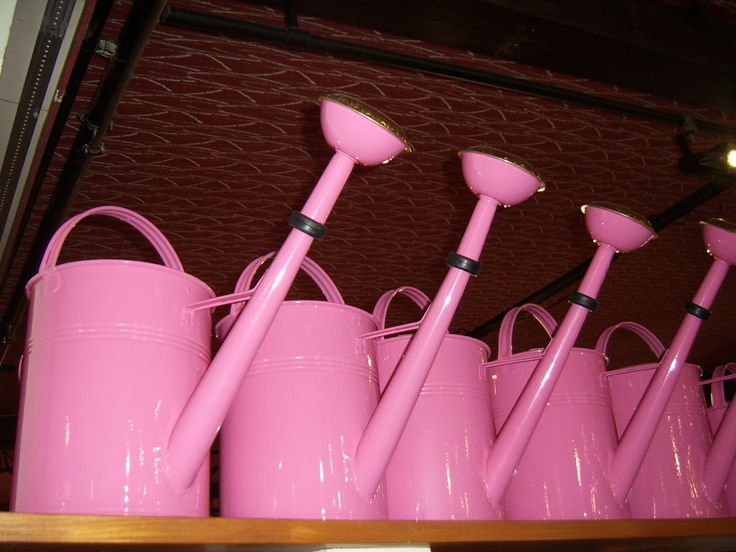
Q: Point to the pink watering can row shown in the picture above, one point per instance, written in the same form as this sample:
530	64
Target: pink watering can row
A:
446	465
566	466
576	466
152	459
307	431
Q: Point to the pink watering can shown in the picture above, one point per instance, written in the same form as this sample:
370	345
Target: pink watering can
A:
692	480
434	472
671	482
310	435
551	458
458	480
119	407
718	408
287	444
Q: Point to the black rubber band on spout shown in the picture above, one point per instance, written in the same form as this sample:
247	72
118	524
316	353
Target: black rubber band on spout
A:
697	311
455	260
583	300
309	226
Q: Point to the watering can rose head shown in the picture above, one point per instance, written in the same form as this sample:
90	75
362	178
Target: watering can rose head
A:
361	132
488	171
617	226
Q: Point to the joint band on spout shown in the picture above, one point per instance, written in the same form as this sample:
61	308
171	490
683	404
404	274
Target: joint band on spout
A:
309	226
583	300
455	260
697	311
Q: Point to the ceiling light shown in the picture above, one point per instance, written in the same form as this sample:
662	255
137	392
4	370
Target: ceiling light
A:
720	159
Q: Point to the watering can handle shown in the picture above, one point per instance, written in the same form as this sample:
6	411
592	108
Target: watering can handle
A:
311	268
140	223
380	311
717	396
505	333
655	345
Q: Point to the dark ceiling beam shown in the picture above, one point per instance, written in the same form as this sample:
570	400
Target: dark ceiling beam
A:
658	47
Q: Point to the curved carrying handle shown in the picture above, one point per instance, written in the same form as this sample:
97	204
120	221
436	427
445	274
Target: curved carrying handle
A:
311	268
717	395
655	345
381	310
505	333
140	223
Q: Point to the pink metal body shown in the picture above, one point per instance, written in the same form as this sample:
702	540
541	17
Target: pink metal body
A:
532	482
288	444
112	354
716	413
670	481
564	470
435	472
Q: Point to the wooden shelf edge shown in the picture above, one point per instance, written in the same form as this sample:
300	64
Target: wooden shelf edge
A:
17	528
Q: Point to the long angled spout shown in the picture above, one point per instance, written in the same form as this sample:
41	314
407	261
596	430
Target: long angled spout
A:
522	421
385	427
207	407
643	425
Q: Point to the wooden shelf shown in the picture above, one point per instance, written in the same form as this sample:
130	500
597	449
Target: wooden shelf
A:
41	532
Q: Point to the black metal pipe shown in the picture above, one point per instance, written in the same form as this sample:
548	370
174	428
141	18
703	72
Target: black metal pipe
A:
659	222
210	23
140	23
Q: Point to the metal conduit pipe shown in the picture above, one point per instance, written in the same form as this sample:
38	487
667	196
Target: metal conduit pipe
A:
140	23
294	38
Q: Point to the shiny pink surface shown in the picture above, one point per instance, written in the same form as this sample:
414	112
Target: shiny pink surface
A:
716	412
623	233
357	136
436	469
288	444
496	177
111	357
670	481
564	470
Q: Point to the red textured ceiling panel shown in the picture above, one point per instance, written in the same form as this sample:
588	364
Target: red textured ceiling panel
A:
217	140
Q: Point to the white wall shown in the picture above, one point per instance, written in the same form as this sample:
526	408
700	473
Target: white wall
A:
7	8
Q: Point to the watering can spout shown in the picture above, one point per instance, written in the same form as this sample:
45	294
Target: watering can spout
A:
359	134
497	178
615	229
720	240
